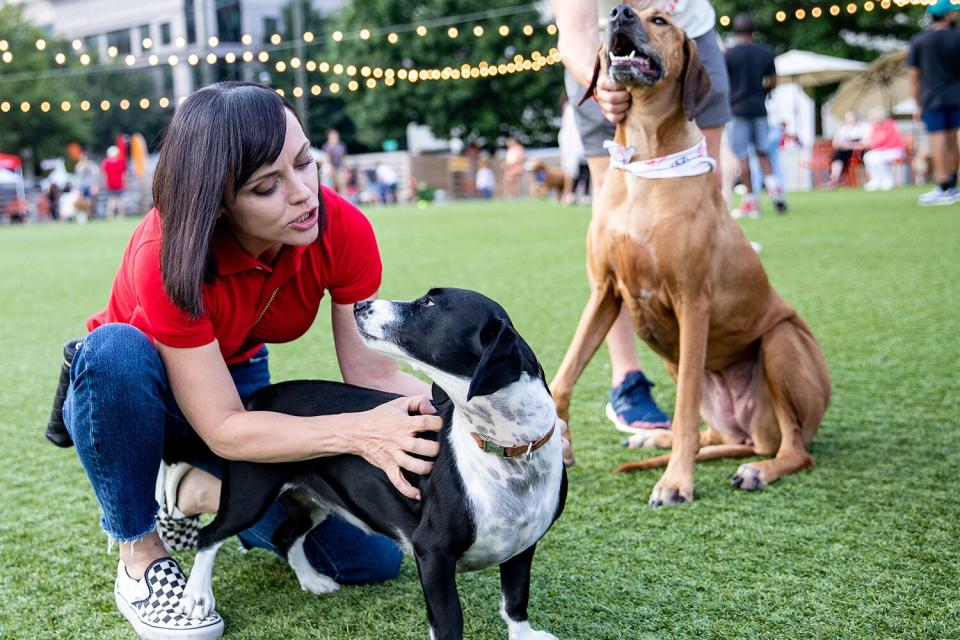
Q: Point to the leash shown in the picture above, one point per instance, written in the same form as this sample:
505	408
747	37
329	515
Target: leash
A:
524	448
689	162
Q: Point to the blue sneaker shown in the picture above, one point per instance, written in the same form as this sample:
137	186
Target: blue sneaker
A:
632	408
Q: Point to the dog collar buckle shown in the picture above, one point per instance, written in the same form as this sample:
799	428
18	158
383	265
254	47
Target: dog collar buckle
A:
525	449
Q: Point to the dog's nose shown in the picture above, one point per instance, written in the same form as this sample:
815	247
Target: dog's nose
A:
361	307
622	14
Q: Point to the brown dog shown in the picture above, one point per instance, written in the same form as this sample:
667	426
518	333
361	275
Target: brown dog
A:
695	289
553	179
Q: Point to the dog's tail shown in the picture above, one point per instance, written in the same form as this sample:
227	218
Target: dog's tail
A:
711	452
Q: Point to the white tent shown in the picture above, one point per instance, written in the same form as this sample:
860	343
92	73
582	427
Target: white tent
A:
810	69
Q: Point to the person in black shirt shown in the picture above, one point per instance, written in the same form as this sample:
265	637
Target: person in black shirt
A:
752	76
934	62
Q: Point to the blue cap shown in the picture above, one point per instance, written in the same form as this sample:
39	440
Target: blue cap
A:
941	8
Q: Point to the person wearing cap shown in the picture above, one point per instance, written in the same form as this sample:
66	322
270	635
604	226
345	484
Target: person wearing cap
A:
753	75
934	63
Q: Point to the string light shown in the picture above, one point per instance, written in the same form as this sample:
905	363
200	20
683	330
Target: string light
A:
213	41
392	38
41	44
60	58
452	32
147	43
246	38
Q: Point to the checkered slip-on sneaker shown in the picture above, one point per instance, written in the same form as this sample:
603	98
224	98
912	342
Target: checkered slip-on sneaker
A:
152	604
177	533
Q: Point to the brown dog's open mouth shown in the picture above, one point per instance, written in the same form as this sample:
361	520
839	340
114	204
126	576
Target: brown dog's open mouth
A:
632	63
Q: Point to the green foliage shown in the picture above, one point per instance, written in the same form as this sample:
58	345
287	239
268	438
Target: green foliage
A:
862	546
524	105
41	135
823	34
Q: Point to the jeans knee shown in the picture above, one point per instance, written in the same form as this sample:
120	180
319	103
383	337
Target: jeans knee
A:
115	353
387	558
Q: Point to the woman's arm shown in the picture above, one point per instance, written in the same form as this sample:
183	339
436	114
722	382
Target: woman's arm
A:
384	436
363	367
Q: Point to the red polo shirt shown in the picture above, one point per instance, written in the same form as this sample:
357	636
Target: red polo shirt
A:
344	261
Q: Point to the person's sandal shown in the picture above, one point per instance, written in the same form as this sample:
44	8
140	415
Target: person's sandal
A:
152	604
632	408
178	531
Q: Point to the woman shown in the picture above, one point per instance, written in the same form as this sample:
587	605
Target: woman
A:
886	147
851	136
237	253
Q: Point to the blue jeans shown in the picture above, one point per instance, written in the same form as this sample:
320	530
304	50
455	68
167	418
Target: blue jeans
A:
123	418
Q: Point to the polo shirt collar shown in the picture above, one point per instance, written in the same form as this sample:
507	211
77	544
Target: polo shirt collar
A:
232	258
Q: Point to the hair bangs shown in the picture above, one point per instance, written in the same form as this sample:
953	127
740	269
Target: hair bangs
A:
258	129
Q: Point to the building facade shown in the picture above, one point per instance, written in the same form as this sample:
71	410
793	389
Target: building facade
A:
164	28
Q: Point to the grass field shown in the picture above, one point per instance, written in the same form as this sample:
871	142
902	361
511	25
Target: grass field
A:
863	546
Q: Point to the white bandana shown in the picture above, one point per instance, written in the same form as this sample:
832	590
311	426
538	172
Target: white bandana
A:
689	162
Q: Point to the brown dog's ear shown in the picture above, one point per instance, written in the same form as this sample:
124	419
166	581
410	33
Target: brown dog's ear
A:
696	80
593	80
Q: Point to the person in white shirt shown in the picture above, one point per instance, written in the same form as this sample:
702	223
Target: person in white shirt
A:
851	136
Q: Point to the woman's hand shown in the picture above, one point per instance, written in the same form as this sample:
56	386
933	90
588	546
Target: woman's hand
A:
386	437
614	99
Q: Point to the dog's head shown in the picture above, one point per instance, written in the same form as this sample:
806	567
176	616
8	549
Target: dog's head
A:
646	52
461	339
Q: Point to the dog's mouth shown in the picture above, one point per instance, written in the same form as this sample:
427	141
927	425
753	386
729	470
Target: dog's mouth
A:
632	63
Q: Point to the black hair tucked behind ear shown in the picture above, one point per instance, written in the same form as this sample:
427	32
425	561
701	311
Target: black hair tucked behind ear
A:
500	364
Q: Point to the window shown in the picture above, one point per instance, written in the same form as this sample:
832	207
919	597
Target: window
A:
91	43
228	20
191	21
121	40
165	33
144	32
269	28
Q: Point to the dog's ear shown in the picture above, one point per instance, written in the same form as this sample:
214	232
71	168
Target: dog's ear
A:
593	80
696	80
500	363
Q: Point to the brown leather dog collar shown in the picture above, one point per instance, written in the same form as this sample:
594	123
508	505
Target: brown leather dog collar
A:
526	448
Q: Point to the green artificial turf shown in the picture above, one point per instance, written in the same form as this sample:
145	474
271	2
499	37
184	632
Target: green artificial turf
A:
863	546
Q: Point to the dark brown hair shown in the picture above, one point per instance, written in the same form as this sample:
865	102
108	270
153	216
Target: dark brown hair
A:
215	140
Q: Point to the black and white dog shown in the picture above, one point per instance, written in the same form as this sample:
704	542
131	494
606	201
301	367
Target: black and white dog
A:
495	488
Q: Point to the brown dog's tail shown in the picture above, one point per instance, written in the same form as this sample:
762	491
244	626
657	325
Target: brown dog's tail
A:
711	452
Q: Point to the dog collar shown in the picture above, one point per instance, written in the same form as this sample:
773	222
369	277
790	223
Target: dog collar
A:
524	448
689	162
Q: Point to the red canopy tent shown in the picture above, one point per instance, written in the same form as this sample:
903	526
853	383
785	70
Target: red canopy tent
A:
9	162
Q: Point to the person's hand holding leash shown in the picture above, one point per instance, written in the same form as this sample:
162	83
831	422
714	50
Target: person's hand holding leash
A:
387	435
614	99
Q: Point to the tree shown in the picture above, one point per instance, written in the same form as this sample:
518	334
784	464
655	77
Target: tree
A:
828	34
524	105
34	134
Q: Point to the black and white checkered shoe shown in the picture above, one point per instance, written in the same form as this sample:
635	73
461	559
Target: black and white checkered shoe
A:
152	604
177	533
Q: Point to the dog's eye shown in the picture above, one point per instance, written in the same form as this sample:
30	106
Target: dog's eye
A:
658	20
426	302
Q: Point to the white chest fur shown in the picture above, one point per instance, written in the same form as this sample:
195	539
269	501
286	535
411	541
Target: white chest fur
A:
512	500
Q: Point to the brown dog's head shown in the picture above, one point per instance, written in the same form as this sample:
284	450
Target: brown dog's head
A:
646	50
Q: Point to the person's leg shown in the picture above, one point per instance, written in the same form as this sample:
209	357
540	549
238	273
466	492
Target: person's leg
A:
873	165
942	125
630	400
714	112
116	411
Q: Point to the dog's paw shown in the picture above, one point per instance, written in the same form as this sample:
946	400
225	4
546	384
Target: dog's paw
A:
667	495
318	583
748	477
650	439
196	603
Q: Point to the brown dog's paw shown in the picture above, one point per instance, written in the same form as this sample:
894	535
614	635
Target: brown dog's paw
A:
650	439
669	496
748	478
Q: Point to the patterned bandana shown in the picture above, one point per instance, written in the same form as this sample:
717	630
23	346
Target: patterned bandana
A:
689	162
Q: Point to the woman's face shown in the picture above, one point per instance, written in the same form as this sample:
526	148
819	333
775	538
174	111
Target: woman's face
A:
278	205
